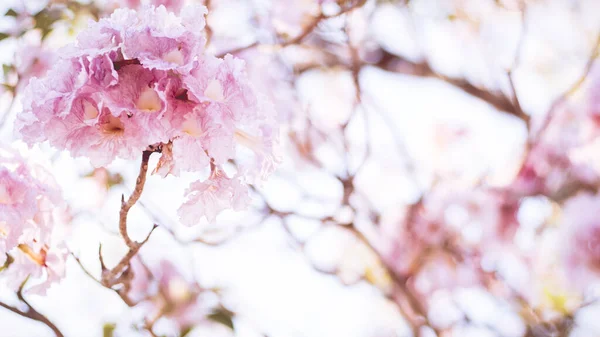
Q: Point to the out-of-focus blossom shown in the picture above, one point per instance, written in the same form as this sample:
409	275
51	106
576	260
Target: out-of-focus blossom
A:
564	160
30	213
269	74
441	271
290	17
165	293
33	59
141	78
140	286
110	5
210	197
581	228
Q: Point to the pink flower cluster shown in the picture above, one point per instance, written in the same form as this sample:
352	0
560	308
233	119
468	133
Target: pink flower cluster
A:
581	229
142	77
30	208
164	293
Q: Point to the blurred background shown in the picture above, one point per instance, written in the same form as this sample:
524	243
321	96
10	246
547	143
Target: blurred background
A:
439	175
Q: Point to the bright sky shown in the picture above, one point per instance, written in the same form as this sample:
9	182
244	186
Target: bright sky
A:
267	279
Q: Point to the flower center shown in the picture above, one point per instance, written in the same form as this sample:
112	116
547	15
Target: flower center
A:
38	258
5	197
174	56
214	91
192	127
179	291
149	101
114	126
89	111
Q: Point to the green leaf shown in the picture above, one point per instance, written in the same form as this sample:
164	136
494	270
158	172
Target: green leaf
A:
8	87
6	68
11	12
223	316
45	18
3	36
108	329
186	331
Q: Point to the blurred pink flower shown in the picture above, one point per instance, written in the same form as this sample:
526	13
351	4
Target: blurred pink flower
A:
165	293
212	196
32	60
30	210
581	229
140	286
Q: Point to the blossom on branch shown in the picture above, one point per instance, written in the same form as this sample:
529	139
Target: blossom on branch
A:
140	78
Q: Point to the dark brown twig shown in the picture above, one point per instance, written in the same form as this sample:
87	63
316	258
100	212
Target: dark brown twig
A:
31	313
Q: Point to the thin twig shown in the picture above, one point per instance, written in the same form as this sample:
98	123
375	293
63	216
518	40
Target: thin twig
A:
306	31
109	276
135	196
560	100
31	313
510	73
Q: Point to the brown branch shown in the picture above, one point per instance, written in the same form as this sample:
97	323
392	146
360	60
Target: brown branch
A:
409	305
306	31
109	276
397	64
511	81
117	275
560	100
207	28
122	295
31	313
135	196
412	307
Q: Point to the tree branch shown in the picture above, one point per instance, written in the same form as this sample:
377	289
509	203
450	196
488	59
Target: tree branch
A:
31	313
397	64
135	196
109	276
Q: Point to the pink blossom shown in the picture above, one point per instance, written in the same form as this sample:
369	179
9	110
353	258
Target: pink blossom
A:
30	206
210	197
564	156
43	267
165	293
581	230
172	5
33	60
271	76
180	299
140	285
140	78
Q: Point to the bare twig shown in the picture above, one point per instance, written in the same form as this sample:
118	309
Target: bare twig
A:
31	313
510	73
135	196
560	100
109	276
498	100
306	31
